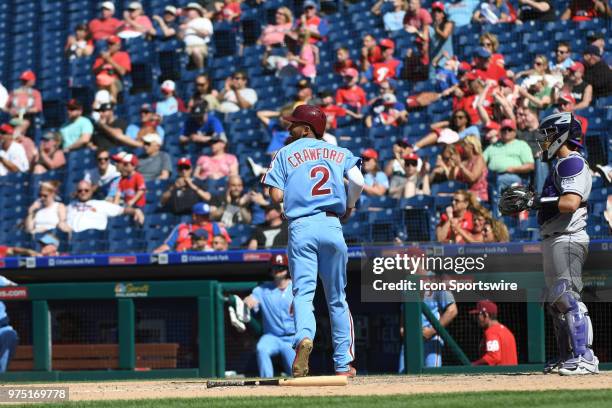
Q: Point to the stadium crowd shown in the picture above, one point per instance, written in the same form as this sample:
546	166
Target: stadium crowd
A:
441	100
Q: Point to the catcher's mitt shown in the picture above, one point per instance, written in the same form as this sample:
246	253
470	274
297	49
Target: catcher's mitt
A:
516	199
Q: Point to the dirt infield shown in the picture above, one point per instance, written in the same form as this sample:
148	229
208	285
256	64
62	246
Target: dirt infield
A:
372	385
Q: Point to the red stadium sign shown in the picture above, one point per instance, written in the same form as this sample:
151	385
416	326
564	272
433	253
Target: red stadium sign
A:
13	293
122	260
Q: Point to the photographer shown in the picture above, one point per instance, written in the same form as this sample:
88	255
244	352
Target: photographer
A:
185	192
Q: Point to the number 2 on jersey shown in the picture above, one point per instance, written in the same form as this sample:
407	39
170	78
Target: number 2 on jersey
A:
317	189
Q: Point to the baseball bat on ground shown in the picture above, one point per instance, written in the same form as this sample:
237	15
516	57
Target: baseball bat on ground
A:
322	381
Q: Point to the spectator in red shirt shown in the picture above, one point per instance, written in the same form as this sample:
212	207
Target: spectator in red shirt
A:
389	67
485	68
180	238
343	60
370	52
25	103
135	22
111	66
417	19
586	10
230	11
105	26
333	111
312	23
132	187
456	217
497	63
350	94
567	103
498	346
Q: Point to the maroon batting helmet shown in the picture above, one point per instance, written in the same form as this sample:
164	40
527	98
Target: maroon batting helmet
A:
279	261
310	115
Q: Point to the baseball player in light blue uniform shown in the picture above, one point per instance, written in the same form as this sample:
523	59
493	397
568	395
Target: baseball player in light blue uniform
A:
273	300
308	175
8	335
442	305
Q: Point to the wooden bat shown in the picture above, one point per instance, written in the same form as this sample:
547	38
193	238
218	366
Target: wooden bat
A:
322	381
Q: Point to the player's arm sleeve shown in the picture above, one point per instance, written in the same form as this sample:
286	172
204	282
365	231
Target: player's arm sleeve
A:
256	294
355	185
572	172
493	355
276	174
445	299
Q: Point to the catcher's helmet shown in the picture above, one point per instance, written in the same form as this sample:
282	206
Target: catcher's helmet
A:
310	115
557	129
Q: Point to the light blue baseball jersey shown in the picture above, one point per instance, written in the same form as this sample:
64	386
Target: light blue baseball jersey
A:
311	174
274	305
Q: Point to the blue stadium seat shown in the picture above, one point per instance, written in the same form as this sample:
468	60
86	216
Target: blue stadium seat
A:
240	235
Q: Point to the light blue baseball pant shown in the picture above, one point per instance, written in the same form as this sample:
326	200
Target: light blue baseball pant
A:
316	243
269	346
432	355
8	344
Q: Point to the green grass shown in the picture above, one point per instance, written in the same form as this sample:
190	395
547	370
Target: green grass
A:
515	399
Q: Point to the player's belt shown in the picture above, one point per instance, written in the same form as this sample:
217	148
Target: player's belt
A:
331	214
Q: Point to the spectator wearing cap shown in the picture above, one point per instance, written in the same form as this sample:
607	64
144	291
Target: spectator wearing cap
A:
77	131
504	99
535	10
417	20
104	178
201	126
470	168
498	346
311	22
277	129
236	96
460	125
46	213
581	91
111	66
171	104
80	44
333	111
132	187
25	102
233	206
135	23
563	60
203	91
179	239
274	34
417	179
186	191
376	182
196	31
108	129
509	157
199	241
586	10
219	164
457	221
106	25
388	68
343	60
84	213
440	35
597	72
154	164
50	156
527	123
149	123
370	52
386	111
273	234
350	95
567	103
13	157
48	245
599	40
483	66
394	169
166	26
460	12
492	12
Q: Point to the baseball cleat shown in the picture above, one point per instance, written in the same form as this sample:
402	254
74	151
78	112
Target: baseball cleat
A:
580	365
302	354
351	373
552	366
